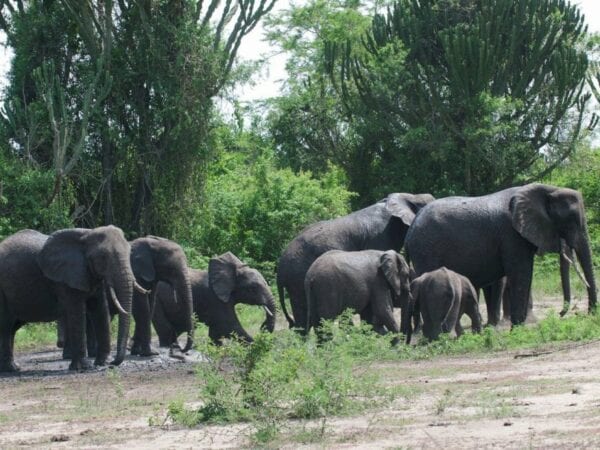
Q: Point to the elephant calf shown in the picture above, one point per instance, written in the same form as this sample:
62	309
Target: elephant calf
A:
371	282
215	293
443	296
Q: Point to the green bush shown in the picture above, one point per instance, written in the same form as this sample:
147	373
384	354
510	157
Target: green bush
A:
24	194
252	208
281	376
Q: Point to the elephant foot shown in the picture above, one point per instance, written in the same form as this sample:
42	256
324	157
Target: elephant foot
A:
80	365
67	354
142	350
9	366
166	343
101	360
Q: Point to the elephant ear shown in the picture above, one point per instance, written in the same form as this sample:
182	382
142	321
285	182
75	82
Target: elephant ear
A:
142	262
63	259
389	264
222	275
406	206
531	219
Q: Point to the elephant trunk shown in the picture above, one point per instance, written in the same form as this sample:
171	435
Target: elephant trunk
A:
183	290
269	305
584	254
123	286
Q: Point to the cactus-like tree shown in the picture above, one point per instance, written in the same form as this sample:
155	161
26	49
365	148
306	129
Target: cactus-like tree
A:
470	95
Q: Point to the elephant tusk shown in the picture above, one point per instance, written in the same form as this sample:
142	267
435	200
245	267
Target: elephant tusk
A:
268	311
140	289
175	295
569	260
577	269
115	300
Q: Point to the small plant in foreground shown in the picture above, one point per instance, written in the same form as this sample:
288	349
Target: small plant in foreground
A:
282	376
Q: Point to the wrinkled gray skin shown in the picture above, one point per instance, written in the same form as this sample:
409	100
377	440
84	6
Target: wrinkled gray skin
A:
215	291
443	297
381	226
489	237
371	282
42	277
155	259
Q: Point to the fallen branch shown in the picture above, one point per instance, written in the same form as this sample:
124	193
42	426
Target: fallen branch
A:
547	352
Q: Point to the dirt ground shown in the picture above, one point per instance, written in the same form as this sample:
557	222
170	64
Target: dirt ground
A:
504	400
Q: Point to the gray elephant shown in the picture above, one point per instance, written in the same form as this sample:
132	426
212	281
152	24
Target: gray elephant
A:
215	291
155	259
381	226
443	297
370	282
489	237
43	277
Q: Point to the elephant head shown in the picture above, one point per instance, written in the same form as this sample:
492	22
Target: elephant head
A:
233	281
545	216
397	273
85	259
155	259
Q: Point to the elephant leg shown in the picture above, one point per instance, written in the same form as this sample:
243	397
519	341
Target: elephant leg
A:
493	301
74	303
164	329
299	308
98	332
383	314
142	308
61	332
8	328
472	310
519	285
432	326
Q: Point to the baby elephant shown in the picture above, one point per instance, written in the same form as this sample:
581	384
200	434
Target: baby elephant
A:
371	282
215	292
443	296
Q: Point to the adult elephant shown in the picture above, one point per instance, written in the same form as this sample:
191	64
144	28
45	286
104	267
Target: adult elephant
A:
496	235
43	277
216	291
155	259
381	226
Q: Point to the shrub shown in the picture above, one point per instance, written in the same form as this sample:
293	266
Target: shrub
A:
24	194
280	376
253	209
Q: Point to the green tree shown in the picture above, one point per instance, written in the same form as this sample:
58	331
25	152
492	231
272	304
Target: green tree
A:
309	124
251	207
144	147
467	96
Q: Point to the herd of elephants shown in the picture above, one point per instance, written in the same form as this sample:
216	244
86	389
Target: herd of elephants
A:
454	246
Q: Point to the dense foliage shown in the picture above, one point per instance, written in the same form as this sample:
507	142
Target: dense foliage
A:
251	207
438	96
117	97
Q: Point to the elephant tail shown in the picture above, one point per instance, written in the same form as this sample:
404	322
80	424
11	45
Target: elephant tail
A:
281	291
452	315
